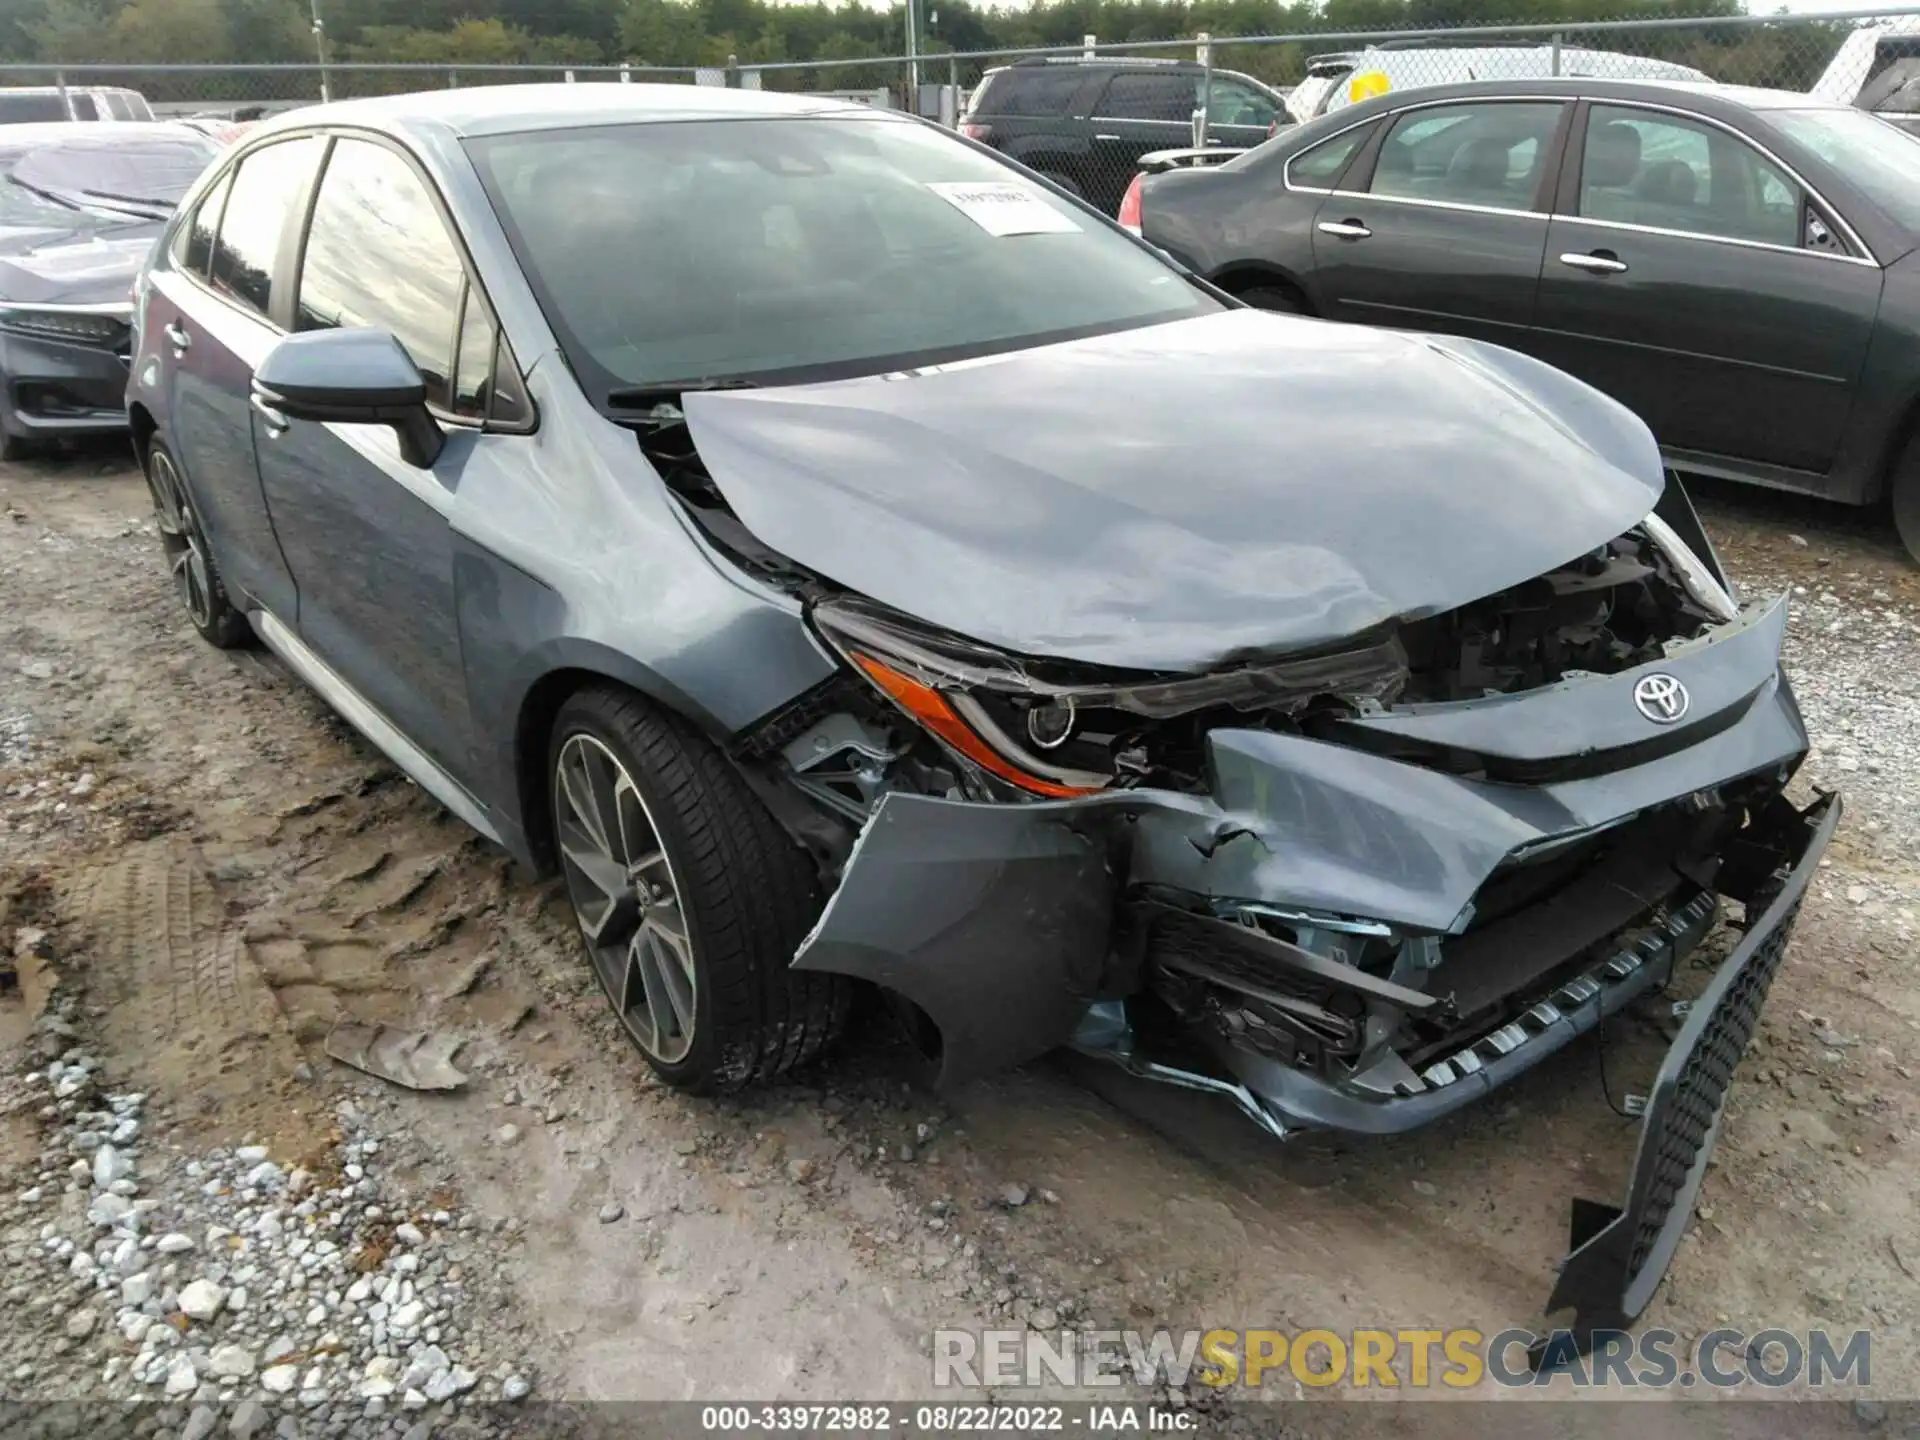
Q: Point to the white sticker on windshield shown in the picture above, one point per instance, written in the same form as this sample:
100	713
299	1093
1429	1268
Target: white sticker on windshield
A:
1003	207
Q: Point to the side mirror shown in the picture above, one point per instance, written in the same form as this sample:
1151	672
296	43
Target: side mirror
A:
352	377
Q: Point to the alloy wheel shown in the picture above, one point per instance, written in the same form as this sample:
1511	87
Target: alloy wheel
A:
186	548
626	898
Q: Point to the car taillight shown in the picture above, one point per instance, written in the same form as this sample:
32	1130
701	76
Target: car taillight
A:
1130	206
1273	128
975	132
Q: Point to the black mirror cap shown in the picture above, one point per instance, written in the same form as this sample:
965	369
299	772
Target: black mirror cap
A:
346	375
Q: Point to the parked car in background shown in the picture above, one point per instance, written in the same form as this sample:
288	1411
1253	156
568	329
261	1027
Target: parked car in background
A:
40	104
1736	265
1877	69
1084	124
849	562
80	206
1336	80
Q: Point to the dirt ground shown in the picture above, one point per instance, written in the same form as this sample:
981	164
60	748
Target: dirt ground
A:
227	870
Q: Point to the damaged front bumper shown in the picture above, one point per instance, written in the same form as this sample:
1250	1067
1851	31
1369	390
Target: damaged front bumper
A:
1016	928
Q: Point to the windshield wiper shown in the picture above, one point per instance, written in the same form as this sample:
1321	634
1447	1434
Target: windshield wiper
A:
55	196
146	204
668	392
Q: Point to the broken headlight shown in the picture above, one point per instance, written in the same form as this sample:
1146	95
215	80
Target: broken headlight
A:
1048	731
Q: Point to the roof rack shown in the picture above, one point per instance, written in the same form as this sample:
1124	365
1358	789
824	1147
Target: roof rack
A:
1100	60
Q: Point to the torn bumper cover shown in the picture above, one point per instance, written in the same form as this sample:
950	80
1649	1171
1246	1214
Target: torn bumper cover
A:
1221	940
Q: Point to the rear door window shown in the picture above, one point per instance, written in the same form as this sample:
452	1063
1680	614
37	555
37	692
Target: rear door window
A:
30	109
1486	155
193	245
1150	96
1644	167
1031	90
378	254
1320	167
265	188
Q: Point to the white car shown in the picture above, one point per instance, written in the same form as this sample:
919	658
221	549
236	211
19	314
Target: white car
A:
1346	76
40	104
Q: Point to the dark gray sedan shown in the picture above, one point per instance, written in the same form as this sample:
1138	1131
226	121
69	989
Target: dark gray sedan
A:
1736	265
852	563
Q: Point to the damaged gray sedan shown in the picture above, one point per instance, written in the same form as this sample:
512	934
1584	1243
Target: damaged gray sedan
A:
850	562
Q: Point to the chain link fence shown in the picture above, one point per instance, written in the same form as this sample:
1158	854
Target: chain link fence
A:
1086	114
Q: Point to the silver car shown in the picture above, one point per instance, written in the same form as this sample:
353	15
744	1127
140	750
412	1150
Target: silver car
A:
853	564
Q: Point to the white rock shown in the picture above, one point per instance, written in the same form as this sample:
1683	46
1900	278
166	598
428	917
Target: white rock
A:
82	1265
182	1379
32	1195
413	1400
280	1379
134	1327
316	1316
202	1300
80	1323
314	1379
428	1363
199	1424
383	1367
136	1290
237	1298
109	1209
376	1387
406	1316
174	1244
514	1387
110	1165
449	1383
299	1182
359	1290
265	1175
126	1256
268	1226
231	1362
409	1235
249	1417
250	1154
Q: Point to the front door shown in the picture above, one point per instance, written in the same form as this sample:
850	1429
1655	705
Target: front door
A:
1444	225
368	535
1694	279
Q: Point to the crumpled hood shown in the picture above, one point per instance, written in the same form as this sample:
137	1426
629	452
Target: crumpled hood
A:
80	267
1170	497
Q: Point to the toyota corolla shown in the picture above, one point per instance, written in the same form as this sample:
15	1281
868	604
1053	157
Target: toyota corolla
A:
850	562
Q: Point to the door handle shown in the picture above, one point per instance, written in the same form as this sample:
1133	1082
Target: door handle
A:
1351	230
1106	137
1601	262
270	417
176	336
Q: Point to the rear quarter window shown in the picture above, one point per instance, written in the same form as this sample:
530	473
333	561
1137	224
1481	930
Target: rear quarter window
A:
1039	90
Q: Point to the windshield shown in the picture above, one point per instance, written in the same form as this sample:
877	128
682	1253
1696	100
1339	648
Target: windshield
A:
122	177
1878	158
746	248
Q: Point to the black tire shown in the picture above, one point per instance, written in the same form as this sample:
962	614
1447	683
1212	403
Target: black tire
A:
190	557
1906	497
1274	297
743	898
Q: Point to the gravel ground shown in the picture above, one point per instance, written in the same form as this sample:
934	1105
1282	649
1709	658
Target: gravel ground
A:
202	870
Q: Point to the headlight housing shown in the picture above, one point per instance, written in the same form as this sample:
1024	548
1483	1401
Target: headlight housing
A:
1051	732
105	328
1706	591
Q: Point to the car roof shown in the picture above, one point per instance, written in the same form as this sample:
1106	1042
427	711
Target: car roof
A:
1705	97
46	132
505	109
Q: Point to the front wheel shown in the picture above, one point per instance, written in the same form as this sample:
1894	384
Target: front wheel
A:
690	898
189	558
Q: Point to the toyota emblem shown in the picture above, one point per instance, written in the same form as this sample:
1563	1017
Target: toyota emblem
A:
1661	698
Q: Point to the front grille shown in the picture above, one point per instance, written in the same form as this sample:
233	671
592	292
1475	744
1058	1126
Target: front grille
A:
1693	1106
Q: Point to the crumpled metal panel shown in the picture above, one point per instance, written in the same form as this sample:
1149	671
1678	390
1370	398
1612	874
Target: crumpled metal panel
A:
1221	486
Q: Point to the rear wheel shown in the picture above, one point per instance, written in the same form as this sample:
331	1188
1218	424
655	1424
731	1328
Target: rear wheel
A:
189	558
1906	497
690	898
1274	297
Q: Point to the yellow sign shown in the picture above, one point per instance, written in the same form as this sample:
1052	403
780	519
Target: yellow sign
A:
1367	84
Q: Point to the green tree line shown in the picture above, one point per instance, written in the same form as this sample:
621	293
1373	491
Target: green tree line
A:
707	32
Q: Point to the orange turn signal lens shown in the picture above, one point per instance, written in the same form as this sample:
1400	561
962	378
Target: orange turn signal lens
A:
930	708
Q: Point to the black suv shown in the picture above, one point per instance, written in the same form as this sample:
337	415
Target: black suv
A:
1084	124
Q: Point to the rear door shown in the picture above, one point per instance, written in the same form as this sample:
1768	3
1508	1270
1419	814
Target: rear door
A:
368	535
1140	111
1695	278
208	316
1443	225
1239	113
